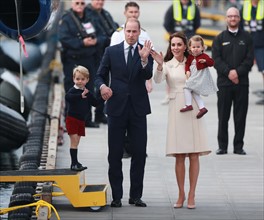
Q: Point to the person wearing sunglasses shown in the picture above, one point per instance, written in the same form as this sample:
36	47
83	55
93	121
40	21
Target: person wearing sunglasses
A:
81	39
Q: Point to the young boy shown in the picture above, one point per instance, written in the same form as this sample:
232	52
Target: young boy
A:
79	100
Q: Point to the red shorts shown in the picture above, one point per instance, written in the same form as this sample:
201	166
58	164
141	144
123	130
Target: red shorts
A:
75	126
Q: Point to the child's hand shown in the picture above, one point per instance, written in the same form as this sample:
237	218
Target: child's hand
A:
202	61
188	74
85	91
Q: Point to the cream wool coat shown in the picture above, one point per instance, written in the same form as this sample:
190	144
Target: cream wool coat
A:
185	133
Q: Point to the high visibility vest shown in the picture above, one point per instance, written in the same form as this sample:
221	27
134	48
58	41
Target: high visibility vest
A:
247	6
177	11
258	24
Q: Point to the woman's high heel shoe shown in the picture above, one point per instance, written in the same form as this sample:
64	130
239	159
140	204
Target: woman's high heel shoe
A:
178	205
189	206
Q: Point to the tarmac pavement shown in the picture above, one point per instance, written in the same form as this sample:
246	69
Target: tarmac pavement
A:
230	187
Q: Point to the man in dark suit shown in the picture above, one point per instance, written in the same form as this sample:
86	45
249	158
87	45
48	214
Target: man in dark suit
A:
127	105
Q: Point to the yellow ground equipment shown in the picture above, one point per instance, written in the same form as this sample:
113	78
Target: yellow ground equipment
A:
71	183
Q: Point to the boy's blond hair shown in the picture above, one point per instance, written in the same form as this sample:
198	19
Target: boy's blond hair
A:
81	69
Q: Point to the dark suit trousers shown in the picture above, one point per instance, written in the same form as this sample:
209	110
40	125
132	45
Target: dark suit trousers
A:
137	130
238	96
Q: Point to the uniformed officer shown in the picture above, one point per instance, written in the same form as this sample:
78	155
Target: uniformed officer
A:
184	16
80	40
103	19
131	11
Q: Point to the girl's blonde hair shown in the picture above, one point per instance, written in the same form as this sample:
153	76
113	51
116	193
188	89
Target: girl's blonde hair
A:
81	69
197	38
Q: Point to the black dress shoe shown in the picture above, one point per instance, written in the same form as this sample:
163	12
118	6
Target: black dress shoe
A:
116	203
78	167
126	154
101	119
90	124
137	202
240	152
221	151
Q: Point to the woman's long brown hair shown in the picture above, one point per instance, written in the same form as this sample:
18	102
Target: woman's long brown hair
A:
168	56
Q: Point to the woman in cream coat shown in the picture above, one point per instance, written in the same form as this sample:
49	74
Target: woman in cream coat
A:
186	135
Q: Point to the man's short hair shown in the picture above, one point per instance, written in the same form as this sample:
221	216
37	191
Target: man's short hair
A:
131	4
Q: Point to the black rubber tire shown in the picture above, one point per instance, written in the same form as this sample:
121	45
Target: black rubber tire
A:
19	216
34	158
32	150
23	213
24	189
8	145
25	184
28	163
28	166
11	125
20	199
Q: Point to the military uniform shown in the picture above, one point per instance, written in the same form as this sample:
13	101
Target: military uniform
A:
119	36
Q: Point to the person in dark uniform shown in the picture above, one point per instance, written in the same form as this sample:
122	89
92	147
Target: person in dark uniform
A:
81	39
103	19
182	15
232	52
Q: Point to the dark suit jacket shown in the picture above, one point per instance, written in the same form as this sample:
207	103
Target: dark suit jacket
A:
123	85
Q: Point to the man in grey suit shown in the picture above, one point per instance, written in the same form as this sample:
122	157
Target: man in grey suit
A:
127	105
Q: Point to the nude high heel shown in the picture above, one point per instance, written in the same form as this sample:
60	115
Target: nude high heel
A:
178	205
189	206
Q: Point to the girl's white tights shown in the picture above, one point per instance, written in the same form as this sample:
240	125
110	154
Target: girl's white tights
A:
188	98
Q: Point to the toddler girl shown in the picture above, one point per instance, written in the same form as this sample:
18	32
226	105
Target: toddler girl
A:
199	80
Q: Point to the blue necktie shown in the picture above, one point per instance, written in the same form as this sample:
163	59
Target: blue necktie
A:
129	60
